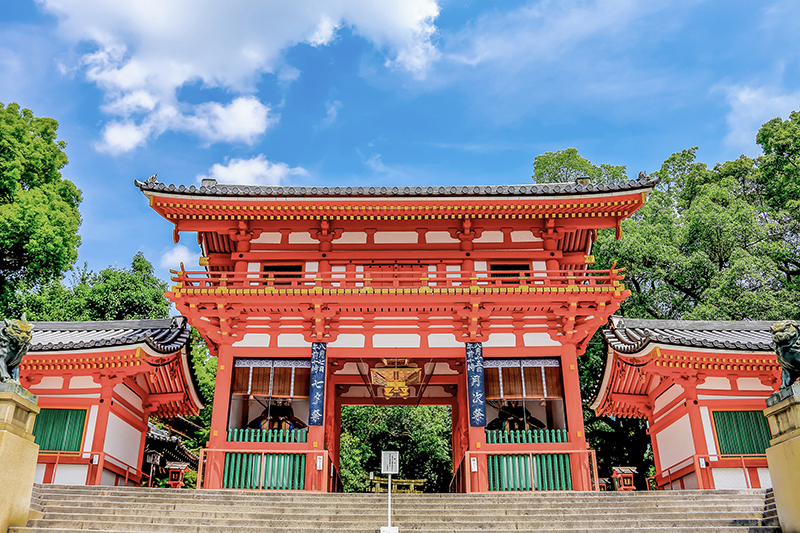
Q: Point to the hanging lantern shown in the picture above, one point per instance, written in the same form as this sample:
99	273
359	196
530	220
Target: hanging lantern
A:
395	376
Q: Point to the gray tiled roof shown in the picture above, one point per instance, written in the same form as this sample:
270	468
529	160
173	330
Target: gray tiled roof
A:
212	188
163	335
629	335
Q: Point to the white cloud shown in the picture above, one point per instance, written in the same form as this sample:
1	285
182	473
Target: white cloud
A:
331	112
173	257
147	50
750	108
255	171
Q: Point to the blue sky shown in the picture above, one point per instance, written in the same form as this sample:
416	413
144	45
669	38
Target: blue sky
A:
381	92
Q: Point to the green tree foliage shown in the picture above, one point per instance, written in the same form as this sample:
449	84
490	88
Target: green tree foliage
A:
111	294
567	165
421	434
39	216
204	366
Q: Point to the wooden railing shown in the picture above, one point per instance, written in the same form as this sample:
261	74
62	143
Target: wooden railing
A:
396	281
703	465
102	461
531	436
264	435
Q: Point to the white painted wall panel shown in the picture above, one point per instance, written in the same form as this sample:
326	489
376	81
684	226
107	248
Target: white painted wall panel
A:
90	426
728	478
708	431
716	383
268	238
38	477
128	395
396	237
539	339
764	478
443	340
501	340
396	341
753	384
301	237
666	398
352	237
524	236
674	442
490	237
71	474
122	440
348	340
292	340
83	382
438	237
49	382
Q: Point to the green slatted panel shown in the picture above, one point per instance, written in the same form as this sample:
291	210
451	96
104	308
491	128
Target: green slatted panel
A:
59	429
274	471
512	472
741	432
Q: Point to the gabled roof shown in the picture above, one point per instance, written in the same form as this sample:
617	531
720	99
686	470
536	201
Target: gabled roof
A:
164	336
630	335
210	187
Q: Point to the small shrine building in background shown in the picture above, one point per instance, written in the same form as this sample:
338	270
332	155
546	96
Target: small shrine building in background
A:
702	386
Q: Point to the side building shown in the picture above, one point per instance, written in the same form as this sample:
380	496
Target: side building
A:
477	298
98	383
702	386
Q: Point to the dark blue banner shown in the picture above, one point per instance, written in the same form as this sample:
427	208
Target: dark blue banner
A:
316	401
475	390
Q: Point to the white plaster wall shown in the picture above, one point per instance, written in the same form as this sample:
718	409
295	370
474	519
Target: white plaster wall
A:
524	236
292	340
481	265
443	340
674	442
708	431
107	478
268	238
352	237
348	340
716	383
38	477
122	440
71	474
253	267
396	237
312	266
89	440
666	397
764	478
128	395
49	382
752	384
501	340
728	478
489	237
254	340
538	339
396	341
690	481
301	237
83	382
437	237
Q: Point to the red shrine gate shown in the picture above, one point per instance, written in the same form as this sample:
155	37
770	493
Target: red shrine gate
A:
479	298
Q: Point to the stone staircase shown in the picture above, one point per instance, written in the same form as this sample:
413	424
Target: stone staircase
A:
73	509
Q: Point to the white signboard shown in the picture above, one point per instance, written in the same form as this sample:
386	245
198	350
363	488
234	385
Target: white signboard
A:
390	462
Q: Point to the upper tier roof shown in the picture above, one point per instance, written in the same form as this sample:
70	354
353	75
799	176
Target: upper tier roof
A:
165	336
212	188
630	335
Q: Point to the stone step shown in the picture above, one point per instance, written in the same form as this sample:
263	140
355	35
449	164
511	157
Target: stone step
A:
372	529
70	509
